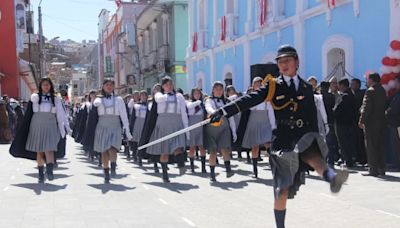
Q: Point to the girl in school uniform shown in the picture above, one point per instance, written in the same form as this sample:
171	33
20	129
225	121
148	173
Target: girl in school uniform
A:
139	110
108	134
219	138
46	127
259	127
197	113
172	116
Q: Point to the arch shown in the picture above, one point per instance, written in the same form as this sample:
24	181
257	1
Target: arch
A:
268	58
332	47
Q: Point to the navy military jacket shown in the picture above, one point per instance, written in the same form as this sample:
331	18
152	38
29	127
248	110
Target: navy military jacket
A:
295	111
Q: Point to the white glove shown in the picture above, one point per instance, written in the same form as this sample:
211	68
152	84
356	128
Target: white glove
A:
327	129
187	136
128	135
234	137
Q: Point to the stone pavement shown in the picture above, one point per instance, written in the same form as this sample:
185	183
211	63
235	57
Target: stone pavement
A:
137	198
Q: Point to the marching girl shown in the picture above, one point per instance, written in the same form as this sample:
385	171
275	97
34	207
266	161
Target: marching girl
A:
219	138
172	116
139	111
259	127
46	128
197	113
88	130
108	134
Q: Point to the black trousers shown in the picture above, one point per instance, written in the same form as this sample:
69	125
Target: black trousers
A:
359	143
345	139
374	139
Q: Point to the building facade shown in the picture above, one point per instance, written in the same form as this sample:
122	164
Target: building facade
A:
342	38
162	39
19	76
115	53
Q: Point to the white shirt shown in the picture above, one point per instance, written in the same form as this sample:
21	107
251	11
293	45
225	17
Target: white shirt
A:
191	106
115	106
140	110
322	116
47	106
212	105
162	99
295	79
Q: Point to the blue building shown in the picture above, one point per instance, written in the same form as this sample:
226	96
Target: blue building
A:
340	38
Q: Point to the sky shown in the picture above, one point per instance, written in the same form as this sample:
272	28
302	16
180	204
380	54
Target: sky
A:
71	19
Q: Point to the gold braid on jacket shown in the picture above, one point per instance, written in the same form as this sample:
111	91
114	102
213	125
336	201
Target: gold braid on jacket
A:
271	82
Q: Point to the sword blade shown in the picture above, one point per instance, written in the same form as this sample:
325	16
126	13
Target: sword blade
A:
170	136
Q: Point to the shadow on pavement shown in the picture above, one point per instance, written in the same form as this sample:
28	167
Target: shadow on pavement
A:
56	175
160	174
105	188
228	186
39	188
174	186
389	178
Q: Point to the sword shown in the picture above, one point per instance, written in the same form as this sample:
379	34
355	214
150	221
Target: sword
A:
170	136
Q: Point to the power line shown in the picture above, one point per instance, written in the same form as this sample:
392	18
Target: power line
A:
68	19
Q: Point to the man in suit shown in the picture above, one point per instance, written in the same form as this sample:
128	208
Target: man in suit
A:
331	138
297	145
345	117
393	117
358	134
373	122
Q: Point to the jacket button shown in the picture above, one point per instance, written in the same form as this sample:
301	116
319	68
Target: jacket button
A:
291	117
291	99
291	109
292	127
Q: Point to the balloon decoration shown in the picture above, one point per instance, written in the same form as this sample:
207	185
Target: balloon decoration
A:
391	67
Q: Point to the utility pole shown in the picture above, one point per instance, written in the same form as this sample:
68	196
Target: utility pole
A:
41	43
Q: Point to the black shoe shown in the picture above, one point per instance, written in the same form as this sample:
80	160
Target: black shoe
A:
165	177
41	174
166	180
370	174
338	181
106	176
230	174
113	169
192	165
156	169
49	171
203	164
182	170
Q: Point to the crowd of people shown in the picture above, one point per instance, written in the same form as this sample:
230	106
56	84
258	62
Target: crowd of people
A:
302	125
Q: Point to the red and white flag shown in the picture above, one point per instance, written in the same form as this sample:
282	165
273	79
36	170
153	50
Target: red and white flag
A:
118	2
194	44
223	28
263	14
331	3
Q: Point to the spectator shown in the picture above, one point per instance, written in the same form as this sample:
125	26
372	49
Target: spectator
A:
344	119
373	122
314	83
393	118
361	154
331	139
4	130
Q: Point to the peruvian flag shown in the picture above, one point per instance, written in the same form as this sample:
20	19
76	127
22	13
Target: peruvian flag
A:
331	3
194	44
263	14
223	28
118	2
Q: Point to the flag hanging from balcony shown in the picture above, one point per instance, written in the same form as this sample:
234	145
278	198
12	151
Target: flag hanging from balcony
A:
331	3
223	28
263	13
118	2
194	44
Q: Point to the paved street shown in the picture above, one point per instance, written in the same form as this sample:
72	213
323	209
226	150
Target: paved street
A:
138	198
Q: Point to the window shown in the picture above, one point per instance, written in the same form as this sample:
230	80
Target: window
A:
336	63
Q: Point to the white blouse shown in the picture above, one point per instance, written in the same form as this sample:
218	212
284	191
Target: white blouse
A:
191	106
114	106
212	105
321	114
162	99
47	106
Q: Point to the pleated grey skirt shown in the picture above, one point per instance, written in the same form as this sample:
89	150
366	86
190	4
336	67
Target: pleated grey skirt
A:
218	138
166	124
43	133
287	167
137	129
196	135
108	133
258	129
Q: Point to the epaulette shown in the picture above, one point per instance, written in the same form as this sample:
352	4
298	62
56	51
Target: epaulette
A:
271	82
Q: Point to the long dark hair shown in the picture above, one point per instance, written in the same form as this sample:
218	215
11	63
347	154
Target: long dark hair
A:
192	94
164	81
52	92
103	93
